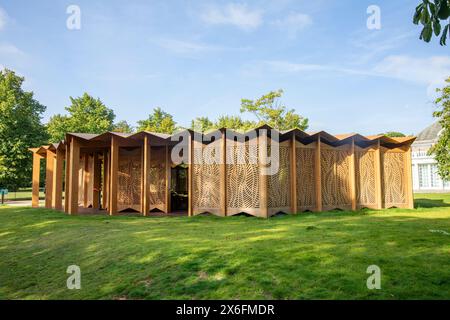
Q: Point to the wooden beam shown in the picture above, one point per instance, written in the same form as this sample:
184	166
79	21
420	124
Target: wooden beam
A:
96	185
113	175
293	176
67	180
168	168
223	175
105	186
409	181
190	171
263	181
146	176
36	176
58	180
318	176
352	172
49	166
86	178
378	177
73	174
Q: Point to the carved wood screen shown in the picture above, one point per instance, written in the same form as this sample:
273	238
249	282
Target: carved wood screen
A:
206	177
335	178
279	184
81	174
306	190
157	178
129	179
394	179
243	181
365	178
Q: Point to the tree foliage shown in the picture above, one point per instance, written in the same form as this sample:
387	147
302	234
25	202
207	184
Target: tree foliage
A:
20	129
431	13
85	115
123	126
269	110
441	149
158	121
394	134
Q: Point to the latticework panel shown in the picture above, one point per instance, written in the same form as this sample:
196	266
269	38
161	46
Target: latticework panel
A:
90	193
335	172
206	179
157	178
365	178
306	189
242	177
81	174
279	183
129	179
394	178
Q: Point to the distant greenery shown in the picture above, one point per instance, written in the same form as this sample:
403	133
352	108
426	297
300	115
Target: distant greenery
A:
431	13
267	109
158	121
20	129
123	126
394	134
305	256
441	149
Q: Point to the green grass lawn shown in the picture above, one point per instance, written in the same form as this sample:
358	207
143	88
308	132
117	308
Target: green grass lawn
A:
305	256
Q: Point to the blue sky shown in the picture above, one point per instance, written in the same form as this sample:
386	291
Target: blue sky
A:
199	58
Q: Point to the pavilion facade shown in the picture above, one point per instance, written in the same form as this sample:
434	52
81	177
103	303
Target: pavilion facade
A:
223	173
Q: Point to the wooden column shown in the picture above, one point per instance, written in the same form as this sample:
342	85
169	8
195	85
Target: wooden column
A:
49	165
96	185
378	177
113	175
74	162
263	181
36	177
190	171
409	181
318	177
352	171
168	168
293	175
67	179
58	180
223	175
105	186
86	178
146	176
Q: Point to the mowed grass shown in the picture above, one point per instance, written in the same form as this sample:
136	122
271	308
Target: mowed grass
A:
305	256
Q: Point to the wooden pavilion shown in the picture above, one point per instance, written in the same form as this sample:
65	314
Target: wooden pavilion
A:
119	172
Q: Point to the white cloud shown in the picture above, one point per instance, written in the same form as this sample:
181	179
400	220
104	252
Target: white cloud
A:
293	23
3	18
235	14
10	50
192	48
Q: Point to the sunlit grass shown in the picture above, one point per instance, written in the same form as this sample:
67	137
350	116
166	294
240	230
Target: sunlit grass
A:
306	256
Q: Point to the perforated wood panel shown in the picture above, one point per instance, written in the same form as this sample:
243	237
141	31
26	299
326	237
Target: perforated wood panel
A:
81	182
129	179
306	190
206	178
394	179
335	172
365	178
157	178
279	184
243	189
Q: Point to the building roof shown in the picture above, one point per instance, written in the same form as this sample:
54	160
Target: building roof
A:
430	133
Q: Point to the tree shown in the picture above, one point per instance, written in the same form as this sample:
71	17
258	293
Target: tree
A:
86	115
235	123
430	13
441	149
269	110
202	124
123	126
394	134
20	129
158	121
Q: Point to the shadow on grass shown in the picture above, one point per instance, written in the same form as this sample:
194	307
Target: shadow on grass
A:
430	203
